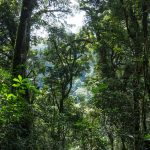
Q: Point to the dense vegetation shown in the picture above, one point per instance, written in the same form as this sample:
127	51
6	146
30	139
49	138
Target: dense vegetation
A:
75	91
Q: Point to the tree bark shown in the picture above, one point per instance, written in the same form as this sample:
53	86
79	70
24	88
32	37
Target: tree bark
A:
145	60
19	64
22	39
135	35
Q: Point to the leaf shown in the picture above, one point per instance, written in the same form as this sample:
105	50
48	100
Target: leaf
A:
22	91
16	85
15	79
26	80
99	88
117	49
103	86
11	96
20	77
147	137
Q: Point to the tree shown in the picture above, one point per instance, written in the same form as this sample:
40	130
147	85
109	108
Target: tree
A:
23	38
88	90
9	22
21	46
61	62
117	69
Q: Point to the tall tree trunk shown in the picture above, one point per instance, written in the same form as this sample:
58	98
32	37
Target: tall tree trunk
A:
19	63
145	60
123	144
136	99
22	39
135	36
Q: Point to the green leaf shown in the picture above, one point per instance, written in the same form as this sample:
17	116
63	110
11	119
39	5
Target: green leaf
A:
147	137
26	80
20	77
11	96
16	85
15	79
99	88
22	91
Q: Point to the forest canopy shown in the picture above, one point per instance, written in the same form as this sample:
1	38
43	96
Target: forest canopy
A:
88	90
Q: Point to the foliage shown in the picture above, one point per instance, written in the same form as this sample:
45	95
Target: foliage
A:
87	90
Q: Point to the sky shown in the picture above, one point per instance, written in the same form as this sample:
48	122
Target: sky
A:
77	19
